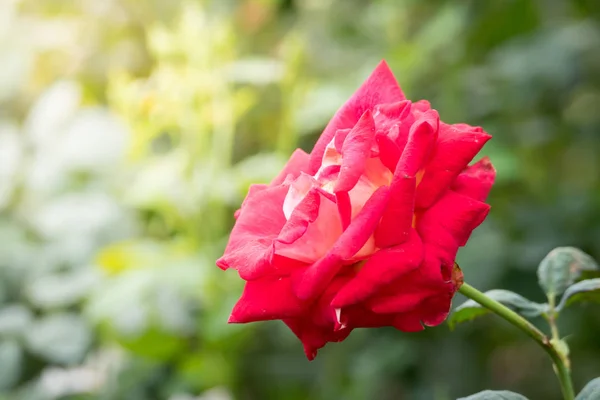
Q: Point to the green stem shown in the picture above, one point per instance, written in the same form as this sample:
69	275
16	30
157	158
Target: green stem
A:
551	318
562	371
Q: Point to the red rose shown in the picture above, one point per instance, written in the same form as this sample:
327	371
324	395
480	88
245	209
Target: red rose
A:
362	232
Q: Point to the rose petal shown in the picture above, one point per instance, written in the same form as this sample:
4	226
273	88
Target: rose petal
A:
252	190
381	269
314	279
455	148
453	214
398	217
389	152
435	309
408	291
297	163
322	313
421	138
256	303
476	181
394	115
298	189
355	152
340	137
357	316
420	107
344	208
408	322
250	246
314	337
381	87
312	229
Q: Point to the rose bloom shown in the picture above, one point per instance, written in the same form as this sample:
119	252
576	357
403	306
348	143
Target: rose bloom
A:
363	231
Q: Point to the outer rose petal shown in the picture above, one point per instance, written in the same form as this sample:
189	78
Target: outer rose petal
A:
357	316
252	190
318	324
379	88
267	299
408	292
297	163
453	214
250	247
408	322
313	281
382	268
476	181
313	337
456	147
435	309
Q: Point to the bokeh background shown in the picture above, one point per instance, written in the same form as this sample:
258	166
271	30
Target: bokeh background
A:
130	131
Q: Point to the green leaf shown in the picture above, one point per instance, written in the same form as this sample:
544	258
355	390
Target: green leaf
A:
587	290
591	391
495	395
561	268
470	309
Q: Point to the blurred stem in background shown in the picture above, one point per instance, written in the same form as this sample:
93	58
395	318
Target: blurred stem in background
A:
559	358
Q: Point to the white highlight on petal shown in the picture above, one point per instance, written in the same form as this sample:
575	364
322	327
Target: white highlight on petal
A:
296	193
338	317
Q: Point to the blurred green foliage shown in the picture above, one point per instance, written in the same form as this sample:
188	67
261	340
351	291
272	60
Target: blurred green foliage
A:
130	131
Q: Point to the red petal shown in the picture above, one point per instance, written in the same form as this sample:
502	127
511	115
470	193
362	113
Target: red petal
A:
389	153
394	116
397	219
359	317
421	106
399	303
297	163
323	313
408	322
407	292
455	214
252	190
456	147
250	246
381	87
314	337
314	280
355	152
476	181
382	268
267	299
435	309
340	137
422	136
344	207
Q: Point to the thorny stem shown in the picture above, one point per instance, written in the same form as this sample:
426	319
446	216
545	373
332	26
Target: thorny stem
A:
562	371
